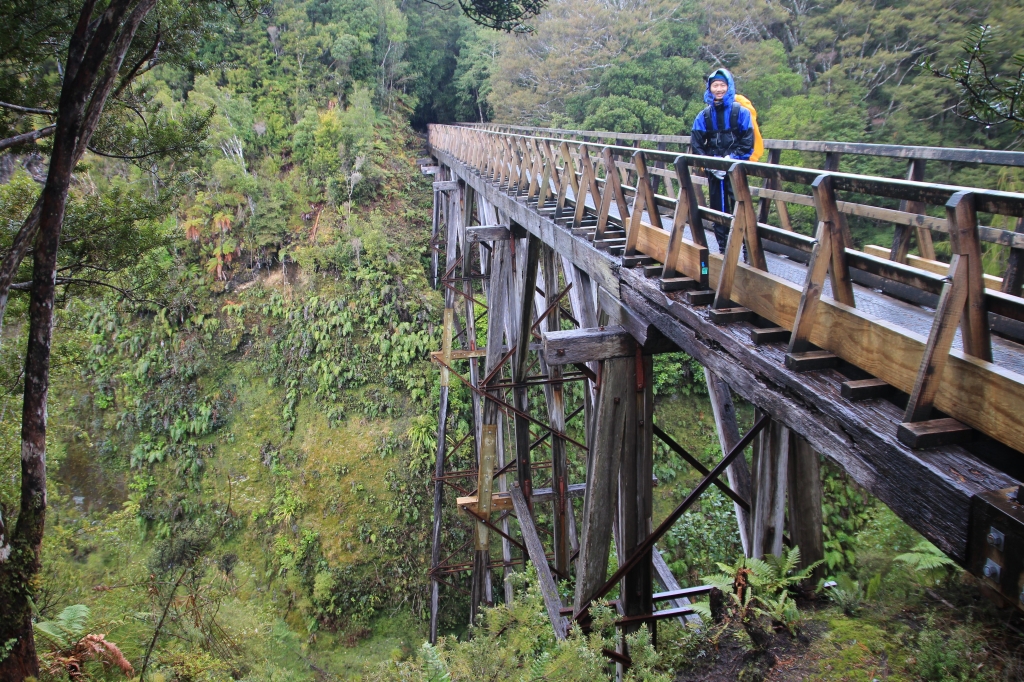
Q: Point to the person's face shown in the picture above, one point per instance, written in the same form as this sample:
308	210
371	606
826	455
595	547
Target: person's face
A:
718	89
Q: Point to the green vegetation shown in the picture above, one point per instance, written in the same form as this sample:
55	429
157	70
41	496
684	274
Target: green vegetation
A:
242	413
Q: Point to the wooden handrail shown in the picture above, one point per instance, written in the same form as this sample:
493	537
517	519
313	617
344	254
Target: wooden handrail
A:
951	154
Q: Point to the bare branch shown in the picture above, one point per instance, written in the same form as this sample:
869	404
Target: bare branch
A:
27	137
26	110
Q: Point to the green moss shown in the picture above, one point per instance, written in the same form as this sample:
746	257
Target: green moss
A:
858	649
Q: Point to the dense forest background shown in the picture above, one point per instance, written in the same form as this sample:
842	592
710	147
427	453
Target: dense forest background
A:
242	413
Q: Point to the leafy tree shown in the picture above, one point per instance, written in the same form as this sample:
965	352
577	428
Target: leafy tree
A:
101	58
988	95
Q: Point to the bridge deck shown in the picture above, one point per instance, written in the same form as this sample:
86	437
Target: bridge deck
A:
916	318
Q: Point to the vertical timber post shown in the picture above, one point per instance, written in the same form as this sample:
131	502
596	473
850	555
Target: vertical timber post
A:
523	320
635	494
770	479
556	416
805	512
728	435
609	429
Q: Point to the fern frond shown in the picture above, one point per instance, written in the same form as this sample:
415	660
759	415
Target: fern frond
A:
52	633
435	667
703	609
73	619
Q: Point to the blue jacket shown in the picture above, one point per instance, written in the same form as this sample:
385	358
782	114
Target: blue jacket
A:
723	129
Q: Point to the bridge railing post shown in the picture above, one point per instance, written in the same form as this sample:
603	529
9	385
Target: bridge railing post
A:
643	200
951	308
568	179
828	257
744	209
613	192
963	237
588	184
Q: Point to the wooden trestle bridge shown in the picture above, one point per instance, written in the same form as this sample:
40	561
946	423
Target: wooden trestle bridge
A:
904	370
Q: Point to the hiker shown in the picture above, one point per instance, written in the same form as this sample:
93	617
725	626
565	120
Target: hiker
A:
725	128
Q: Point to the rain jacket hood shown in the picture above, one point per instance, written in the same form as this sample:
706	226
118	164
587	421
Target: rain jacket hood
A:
730	95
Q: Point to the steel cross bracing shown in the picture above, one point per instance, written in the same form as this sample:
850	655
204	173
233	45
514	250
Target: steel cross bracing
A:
901	368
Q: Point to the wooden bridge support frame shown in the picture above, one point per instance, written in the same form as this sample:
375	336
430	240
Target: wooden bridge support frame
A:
622	455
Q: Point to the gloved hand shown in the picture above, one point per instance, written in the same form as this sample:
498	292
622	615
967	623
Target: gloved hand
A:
720	174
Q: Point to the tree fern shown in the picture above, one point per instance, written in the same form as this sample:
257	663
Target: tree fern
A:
67	628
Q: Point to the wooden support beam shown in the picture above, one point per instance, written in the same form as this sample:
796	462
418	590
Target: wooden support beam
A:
828	212
936	352
770	335
556	418
745	207
523	320
609	432
694	198
487	233
570	346
901	239
446	186
613	181
805	511
814	282
489	412
730	261
865	389
635	494
770	475
811	360
933	433
546	583
738	473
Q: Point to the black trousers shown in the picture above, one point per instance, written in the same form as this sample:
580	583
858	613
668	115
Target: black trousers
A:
721	199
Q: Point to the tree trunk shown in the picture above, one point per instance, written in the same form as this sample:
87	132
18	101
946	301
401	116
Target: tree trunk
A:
20	561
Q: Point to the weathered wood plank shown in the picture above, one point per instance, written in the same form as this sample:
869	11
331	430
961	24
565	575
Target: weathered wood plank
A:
770	477
568	347
487	233
738	472
602	477
805	512
940	340
546	583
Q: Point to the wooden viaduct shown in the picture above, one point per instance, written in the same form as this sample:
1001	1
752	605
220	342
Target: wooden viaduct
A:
586	256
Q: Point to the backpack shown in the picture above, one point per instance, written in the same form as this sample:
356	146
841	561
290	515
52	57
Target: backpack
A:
734	117
758	140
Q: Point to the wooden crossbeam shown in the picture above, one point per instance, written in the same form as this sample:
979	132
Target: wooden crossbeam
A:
501	501
586	345
487	233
